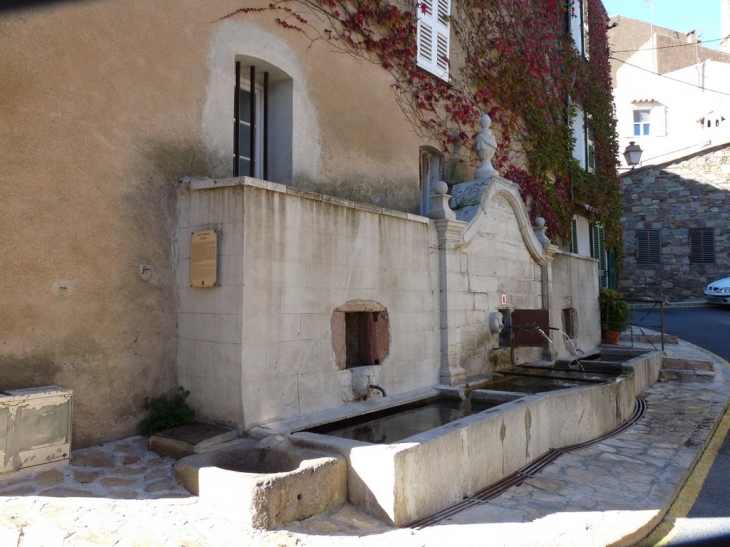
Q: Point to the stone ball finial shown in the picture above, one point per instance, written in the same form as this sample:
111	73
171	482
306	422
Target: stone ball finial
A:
485	146
540	229
440	202
440	187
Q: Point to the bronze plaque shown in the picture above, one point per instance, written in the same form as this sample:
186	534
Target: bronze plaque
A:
204	258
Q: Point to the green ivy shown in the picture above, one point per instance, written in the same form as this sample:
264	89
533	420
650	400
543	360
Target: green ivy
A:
516	62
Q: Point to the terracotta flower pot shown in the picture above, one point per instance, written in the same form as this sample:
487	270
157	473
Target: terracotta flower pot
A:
611	336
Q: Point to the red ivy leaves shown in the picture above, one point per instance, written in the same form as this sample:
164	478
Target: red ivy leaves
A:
519	65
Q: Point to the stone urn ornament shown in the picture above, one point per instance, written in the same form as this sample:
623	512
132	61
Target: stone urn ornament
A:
485	146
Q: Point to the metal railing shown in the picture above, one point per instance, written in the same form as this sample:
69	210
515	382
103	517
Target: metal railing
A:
611	315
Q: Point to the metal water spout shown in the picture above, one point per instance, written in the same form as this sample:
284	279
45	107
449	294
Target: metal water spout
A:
569	343
378	388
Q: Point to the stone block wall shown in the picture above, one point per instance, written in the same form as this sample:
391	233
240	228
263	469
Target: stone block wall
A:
690	193
575	286
495	261
259	347
273	340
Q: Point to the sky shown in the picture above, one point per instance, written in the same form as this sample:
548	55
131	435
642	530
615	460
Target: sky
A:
682	15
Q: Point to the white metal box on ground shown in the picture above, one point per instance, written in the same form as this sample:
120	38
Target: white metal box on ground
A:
35	428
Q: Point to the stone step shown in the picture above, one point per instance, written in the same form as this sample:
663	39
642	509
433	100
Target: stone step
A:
191	438
687	364
648	338
686	375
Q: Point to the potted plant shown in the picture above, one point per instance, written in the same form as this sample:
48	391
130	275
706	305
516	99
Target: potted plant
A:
615	315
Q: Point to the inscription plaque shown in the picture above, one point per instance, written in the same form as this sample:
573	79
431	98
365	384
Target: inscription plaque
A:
204	258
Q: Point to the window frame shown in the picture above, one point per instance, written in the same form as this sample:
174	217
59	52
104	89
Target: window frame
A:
643	127
258	153
577	25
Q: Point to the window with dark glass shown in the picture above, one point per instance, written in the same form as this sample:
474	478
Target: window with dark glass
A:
250	137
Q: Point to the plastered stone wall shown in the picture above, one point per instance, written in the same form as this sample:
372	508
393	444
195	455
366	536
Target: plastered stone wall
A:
259	347
575	285
674	198
104	106
494	262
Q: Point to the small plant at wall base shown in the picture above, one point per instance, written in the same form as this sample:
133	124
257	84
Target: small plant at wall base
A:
615	315
165	413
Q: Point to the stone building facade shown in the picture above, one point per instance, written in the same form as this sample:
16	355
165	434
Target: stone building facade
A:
676	221
106	106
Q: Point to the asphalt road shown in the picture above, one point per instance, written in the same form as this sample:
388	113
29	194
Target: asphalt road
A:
709	516
706	327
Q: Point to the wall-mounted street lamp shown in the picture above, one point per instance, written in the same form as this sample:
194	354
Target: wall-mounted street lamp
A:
632	154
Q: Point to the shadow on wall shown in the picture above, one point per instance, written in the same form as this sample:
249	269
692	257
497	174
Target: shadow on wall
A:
400	195
676	227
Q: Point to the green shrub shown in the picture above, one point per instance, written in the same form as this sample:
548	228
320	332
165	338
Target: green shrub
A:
166	413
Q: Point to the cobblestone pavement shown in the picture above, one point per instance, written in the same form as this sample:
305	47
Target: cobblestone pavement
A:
121	494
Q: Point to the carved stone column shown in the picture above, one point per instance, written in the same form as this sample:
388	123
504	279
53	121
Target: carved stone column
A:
450	236
546	270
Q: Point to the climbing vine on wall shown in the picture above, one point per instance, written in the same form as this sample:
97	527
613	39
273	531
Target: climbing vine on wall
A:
512	59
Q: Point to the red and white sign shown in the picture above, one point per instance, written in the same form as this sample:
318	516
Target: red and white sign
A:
504	299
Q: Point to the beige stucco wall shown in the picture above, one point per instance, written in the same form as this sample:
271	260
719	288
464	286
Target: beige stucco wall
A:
104	107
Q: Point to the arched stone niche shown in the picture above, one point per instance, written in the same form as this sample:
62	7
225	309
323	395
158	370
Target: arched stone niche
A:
360	334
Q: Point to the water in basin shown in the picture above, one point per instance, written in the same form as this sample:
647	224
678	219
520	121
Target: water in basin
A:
395	424
565	374
526	384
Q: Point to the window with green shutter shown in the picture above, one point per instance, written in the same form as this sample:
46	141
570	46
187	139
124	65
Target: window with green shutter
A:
598	251
574	236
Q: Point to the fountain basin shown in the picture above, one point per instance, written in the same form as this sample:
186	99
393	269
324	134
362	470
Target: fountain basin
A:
415	477
266	487
395	424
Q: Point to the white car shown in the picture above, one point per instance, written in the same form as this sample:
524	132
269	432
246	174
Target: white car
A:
718	292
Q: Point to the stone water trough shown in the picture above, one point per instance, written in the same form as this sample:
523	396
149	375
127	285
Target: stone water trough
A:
266	484
425	473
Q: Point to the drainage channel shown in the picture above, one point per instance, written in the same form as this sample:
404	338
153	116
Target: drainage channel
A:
530	470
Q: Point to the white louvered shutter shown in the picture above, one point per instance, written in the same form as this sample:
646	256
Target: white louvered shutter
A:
433	36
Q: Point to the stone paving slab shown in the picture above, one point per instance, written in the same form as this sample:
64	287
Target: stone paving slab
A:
612	492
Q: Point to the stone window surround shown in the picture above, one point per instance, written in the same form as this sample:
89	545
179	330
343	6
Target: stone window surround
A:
379	335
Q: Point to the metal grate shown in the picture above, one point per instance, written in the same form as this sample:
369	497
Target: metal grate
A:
530	470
